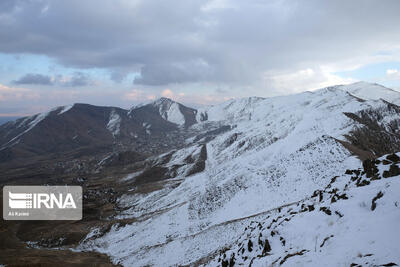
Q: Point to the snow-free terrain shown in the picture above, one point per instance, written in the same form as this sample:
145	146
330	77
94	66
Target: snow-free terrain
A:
278	151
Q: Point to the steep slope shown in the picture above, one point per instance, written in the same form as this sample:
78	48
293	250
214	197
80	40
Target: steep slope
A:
78	126
168	110
61	129
276	151
351	222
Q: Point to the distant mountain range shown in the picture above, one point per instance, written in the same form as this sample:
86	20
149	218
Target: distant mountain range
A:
80	126
86	126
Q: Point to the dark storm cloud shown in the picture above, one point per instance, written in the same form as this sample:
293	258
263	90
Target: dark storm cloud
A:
32	78
181	41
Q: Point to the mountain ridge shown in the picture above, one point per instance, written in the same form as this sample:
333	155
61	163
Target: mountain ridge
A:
277	151
181	194
138	124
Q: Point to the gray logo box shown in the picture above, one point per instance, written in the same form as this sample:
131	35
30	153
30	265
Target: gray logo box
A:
42	202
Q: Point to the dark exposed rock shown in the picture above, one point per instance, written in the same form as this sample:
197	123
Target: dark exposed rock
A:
250	246
200	163
394	170
370	168
393	158
325	239
267	247
326	210
283	241
292	255
321	196
338	213
386	162
362	182
378	196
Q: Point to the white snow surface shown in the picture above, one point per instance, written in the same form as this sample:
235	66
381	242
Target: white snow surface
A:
352	233
280	150
170	110
114	123
372	91
65	109
175	115
230	110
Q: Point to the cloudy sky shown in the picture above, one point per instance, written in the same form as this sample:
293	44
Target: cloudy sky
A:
121	52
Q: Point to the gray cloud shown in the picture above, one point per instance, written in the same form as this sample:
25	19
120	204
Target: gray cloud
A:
32	78
75	80
118	76
160	74
230	42
10	5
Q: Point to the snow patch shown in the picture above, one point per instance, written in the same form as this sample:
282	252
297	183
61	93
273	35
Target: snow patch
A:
170	110
65	109
30	123
114	123
175	115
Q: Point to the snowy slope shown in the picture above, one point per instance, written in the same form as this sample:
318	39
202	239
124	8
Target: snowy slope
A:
372	91
170	110
351	222
279	151
114	123
230	110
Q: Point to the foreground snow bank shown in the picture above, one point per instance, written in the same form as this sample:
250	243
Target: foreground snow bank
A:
352	222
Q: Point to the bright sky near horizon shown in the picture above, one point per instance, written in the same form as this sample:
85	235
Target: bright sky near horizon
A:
122	52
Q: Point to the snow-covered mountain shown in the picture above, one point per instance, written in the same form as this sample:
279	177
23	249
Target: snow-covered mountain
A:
251	181
372	91
272	152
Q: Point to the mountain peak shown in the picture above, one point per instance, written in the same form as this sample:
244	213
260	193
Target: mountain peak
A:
364	84
363	90
372	91
163	101
169	110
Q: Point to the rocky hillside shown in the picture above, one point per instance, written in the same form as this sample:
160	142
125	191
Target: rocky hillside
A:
97	129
